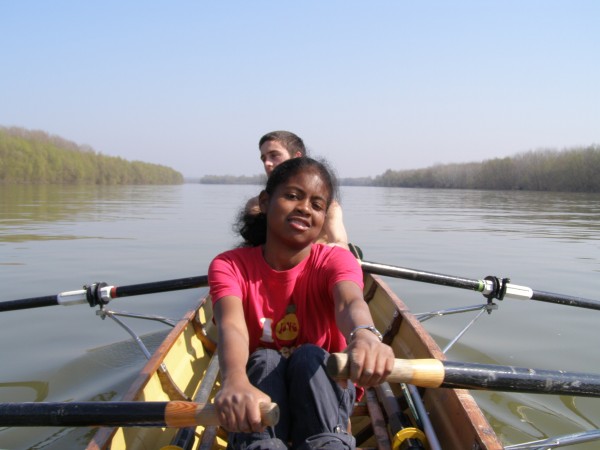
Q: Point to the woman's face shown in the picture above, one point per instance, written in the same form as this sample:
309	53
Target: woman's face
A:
296	209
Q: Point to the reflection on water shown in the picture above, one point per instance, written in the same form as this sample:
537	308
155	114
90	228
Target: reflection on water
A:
24	237
30	213
539	214
36	391
101	374
520	418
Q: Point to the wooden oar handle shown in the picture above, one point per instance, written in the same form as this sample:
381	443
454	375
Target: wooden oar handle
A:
181	414
420	372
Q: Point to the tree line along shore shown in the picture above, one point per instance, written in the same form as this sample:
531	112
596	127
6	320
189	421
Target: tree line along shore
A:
568	170
35	157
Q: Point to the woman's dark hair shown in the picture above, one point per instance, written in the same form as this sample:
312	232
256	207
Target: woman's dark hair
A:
253	227
289	140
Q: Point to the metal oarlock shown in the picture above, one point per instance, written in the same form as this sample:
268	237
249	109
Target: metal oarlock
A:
98	294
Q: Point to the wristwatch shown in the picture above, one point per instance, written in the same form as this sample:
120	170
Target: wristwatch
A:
371	328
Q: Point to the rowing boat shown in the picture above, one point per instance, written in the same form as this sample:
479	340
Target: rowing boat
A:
156	412
185	367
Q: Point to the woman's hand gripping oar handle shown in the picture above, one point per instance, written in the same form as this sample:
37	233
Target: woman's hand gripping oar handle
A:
185	414
420	372
433	373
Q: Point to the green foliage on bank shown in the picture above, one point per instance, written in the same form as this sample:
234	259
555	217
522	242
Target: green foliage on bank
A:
358	181
35	157
232	179
571	170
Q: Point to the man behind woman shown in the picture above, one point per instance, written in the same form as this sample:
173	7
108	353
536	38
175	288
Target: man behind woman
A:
279	146
282	304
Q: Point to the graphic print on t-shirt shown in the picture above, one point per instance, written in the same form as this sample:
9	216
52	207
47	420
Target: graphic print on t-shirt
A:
287	328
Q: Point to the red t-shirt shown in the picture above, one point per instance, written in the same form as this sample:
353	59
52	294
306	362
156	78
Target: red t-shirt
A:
284	309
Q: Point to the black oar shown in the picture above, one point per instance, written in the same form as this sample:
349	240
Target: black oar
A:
174	414
101	293
434	373
490	287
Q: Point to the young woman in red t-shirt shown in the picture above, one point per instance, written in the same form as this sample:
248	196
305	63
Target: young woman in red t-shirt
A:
282	304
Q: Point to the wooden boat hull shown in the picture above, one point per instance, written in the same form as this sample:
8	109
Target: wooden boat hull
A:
457	419
187	353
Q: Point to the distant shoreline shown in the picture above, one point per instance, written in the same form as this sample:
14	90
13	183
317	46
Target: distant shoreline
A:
570	170
36	157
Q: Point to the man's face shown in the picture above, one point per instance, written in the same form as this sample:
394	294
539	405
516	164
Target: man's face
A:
272	153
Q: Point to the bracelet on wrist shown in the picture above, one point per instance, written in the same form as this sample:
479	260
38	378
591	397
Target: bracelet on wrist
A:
371	328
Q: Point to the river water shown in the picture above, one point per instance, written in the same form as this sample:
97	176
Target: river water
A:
58	238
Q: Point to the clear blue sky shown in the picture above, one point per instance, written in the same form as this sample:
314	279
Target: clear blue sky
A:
370	85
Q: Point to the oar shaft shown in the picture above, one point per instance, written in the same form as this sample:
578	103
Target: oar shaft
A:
435	373
564	300
26	303
484	286
106	293
159	286
420	275
520	379
174	414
